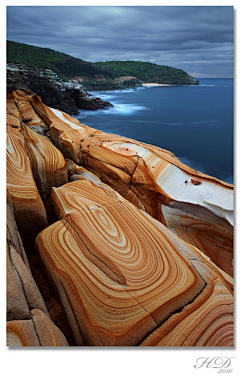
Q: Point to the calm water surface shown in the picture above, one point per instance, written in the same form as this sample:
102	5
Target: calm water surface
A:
193	122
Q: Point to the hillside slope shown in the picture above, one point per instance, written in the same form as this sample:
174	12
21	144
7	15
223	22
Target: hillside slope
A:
65	65
96	76
150	72
93	77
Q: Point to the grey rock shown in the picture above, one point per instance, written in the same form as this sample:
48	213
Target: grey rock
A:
54	92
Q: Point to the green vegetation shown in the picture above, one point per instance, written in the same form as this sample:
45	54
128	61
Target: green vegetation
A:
150	72
65	65
68	67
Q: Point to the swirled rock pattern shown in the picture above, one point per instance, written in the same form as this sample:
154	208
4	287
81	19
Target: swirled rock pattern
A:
213	320
139	247
48	164
117	273
195	206
38	331
22	191
34	165
19	104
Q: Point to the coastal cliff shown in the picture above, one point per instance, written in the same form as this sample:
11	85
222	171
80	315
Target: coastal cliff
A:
135	247
110	75
148	72
104	84
67	96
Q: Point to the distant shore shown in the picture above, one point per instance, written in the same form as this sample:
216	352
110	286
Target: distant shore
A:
155	85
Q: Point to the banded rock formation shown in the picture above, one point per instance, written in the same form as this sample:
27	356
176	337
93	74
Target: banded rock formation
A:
154	180
28	321
142	248
34	165
120	275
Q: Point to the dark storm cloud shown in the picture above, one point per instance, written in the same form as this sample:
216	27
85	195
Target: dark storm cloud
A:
196	39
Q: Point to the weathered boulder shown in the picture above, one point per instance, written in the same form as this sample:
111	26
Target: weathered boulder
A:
28	321
139	246
207	323
37	331
34	165
154	180
22	192
120	274
22	292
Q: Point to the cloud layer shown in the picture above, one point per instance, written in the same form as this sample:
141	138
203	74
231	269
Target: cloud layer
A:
198	40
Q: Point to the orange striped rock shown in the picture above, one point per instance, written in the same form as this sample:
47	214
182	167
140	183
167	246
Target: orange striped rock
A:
34	165
116	271
154	180
48	164
122	277
22	191
28	321
208	322
11	105
37	331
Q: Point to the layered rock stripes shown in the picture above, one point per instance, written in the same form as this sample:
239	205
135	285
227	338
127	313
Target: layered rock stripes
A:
136	246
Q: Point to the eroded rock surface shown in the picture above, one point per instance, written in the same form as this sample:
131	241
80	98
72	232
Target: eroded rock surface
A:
154	180
138	250
38	331
28	321
120	275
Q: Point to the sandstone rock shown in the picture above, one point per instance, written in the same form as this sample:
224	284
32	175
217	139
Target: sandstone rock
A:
25	109
21	333
38	331
22	191
23	293
154	180
28	321
76	172
152	271
48	164
34	166
27	113
66	132
12	109
13	236
17	306
116	272
200	227
213	320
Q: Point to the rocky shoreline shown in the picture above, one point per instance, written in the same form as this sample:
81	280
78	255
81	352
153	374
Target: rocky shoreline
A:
69	96
111	241
104	84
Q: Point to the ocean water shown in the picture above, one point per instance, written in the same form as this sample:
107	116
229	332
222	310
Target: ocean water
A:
193	122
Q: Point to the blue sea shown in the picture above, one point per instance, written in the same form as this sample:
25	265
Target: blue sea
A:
193	122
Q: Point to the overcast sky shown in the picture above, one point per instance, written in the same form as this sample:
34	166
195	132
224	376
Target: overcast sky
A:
198	40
